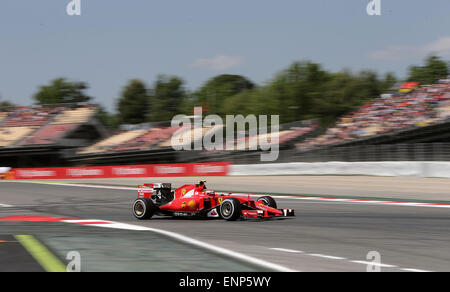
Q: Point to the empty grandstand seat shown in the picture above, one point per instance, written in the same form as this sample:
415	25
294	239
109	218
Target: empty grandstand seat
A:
152	137
45	124
3	116
294	133
112	142
26	117
10	136
75	116
49	134
179	141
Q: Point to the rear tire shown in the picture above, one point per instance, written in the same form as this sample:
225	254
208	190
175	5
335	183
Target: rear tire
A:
143	209
268	201
230	209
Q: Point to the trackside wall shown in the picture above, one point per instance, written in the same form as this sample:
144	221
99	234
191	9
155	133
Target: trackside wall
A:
395	168
152	170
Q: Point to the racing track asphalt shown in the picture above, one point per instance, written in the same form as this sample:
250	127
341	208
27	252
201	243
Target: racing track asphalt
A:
324	236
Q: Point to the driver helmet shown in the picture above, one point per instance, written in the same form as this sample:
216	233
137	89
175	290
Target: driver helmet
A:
201	183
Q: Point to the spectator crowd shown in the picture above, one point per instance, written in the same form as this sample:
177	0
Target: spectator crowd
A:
420	107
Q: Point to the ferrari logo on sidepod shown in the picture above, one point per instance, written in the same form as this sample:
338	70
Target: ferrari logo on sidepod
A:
183	205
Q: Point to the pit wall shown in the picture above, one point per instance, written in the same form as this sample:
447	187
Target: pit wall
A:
397	168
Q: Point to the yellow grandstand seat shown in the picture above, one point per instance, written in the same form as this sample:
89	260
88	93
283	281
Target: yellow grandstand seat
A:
75	116
3	116
265	138
113	141
9	136
179	138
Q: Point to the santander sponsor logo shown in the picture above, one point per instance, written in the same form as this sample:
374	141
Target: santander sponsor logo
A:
210	168
36	173
84	172
169	169
129	171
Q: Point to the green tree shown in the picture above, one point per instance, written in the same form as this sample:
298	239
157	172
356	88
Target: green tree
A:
6	105
296	88
110	121
133	105
217	90
390	80
306	91
167	98
434	69
62	91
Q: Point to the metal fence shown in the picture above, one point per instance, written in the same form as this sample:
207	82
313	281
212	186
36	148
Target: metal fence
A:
360	153
382	152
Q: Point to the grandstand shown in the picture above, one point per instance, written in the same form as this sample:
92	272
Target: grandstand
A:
113	142
75	116
178	140
288	136
414	125
154	144
155	136
10	135
3	116
424	106
49	134
395	123
29	135
149	145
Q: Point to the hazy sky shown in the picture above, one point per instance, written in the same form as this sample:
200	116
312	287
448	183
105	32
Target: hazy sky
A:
116	40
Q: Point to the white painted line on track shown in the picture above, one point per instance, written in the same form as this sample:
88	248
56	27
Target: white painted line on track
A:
326	256
293	197
287	250
207	246
5	206
416	271
83	221
381	265
188	240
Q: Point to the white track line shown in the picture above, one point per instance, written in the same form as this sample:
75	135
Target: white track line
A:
5	206
83	221
381	265
287	250
326	256
416	271
191	241
293	197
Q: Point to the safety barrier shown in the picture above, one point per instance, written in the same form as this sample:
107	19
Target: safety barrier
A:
395	168
152	170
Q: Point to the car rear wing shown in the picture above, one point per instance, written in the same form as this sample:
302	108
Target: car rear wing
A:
147	190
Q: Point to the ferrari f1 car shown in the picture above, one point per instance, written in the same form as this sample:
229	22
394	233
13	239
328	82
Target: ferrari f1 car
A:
196	201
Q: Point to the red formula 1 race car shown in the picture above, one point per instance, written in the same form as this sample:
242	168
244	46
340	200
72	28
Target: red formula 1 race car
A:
196	201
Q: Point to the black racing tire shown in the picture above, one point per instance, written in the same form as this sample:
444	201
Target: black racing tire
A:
268	201
143	208
230	209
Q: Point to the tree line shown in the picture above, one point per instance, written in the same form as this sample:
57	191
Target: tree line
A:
304	90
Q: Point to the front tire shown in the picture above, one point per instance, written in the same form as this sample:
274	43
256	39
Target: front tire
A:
143	209
230	209
268	201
